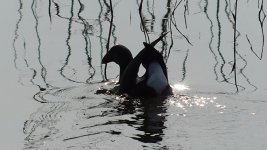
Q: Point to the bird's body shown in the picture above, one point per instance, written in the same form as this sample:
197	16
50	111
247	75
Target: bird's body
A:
155	80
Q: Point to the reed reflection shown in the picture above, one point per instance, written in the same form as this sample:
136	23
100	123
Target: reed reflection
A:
242	69
16	34
229	13
22	48
42	70
151	11
57	8
164	28
232	19
211	41
109	19
261	18
143	22
219	43
69	46
39	71
101	37
220	56
150	115
88	44
186	12
184	67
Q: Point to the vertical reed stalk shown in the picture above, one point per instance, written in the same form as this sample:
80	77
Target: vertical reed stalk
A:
109	35
49	10
235	31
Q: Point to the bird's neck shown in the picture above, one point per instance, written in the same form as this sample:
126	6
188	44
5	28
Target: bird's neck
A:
123	66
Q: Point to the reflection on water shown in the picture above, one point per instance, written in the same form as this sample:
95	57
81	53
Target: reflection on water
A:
80	28
75	118
58	47
71	117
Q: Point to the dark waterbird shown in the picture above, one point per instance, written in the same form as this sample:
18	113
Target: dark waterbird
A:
155	80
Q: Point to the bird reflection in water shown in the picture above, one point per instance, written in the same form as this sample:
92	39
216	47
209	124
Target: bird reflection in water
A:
149	117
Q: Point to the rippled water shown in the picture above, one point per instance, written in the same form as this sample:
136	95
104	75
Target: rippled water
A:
58	46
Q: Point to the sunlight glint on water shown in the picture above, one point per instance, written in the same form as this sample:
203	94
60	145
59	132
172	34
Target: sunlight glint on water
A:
180	87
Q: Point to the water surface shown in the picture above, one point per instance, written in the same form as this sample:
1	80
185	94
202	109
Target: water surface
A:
58	46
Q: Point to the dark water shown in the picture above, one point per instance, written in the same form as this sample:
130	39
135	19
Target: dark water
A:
58	47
